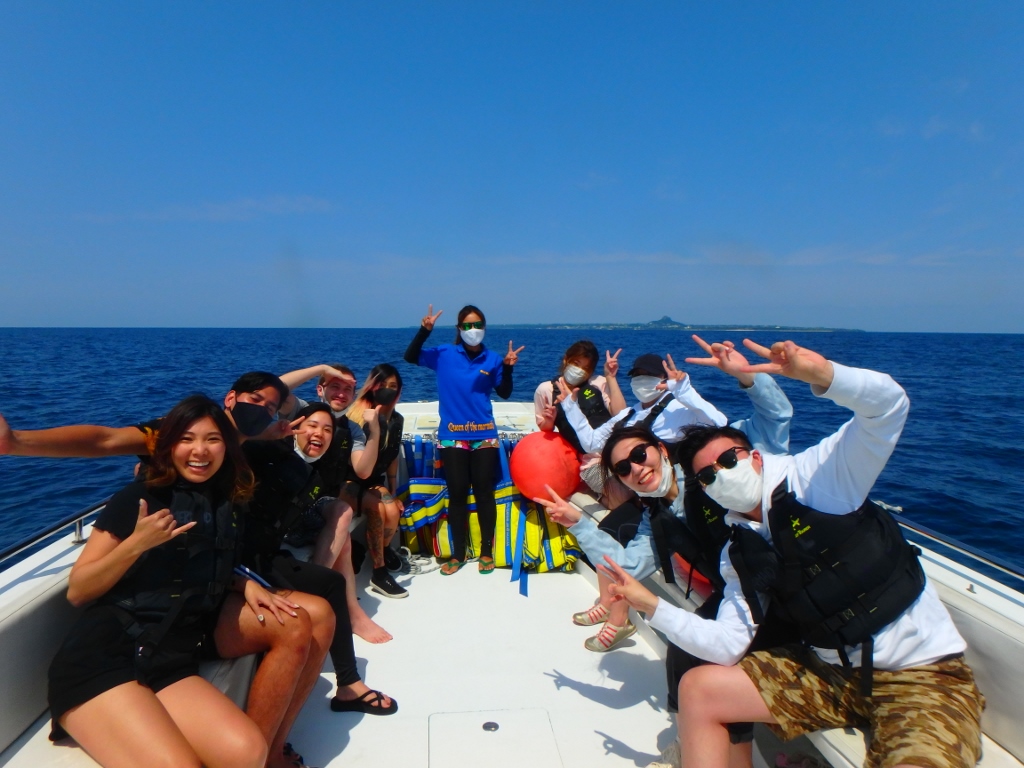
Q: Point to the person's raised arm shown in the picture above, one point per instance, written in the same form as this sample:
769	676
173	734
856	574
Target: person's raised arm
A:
83	440
294	379
364	460
616	400
106	558
544	408
678	383
843	467
412	353
504	386
637	557
768	428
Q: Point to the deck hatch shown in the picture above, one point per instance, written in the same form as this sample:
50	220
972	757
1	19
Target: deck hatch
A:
522	737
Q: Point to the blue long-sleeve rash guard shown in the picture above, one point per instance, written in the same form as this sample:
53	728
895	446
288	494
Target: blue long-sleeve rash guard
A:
464	387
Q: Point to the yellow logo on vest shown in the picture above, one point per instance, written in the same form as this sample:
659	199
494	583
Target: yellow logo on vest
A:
797	530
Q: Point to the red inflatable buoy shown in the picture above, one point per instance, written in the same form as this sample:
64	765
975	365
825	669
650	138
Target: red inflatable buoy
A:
544	458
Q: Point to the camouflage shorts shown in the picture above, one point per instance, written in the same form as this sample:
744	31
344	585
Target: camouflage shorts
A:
928	716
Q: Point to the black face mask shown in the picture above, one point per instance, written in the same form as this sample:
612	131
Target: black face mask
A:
251	419
385	396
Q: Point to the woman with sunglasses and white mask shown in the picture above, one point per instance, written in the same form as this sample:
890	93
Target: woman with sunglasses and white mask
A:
767	429
467	373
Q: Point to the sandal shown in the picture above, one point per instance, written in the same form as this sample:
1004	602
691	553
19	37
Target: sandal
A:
370	703
294	757
486	564
452	566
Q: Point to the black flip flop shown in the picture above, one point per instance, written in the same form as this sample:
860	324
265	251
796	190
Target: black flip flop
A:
369	704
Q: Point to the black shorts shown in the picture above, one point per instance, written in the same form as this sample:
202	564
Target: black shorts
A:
98	654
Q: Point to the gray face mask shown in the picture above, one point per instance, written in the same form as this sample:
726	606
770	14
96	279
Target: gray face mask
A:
644	388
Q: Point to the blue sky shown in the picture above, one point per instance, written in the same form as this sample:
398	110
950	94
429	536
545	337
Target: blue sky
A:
343	164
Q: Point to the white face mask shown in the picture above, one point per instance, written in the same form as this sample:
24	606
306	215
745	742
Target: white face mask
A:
574	375
472	337
739	488
304	457
644	388
668	477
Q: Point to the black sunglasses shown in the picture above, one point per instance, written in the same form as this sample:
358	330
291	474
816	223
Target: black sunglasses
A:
727	460
467	326
636	456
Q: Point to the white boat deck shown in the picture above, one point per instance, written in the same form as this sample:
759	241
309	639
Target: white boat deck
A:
468	650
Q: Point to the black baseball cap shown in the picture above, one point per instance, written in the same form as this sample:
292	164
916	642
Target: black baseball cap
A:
648	365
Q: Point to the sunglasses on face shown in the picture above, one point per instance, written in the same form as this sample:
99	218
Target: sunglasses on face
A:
467	326
727	460
636	456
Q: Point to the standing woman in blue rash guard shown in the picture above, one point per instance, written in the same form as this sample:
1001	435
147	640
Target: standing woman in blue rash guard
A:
467	372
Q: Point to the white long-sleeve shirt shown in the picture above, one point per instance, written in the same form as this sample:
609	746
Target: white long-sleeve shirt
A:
768	431
686	407
834	477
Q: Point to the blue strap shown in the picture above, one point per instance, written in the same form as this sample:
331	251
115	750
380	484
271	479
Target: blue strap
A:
518	572
417	453
428	458
410	459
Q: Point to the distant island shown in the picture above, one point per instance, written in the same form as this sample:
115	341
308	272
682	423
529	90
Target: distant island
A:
666	323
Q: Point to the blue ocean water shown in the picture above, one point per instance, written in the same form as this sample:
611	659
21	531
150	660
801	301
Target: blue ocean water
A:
956	469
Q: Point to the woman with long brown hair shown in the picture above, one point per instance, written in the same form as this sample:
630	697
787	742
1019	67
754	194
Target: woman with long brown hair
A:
156	569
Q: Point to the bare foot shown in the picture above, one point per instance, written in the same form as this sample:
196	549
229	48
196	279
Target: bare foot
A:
369	630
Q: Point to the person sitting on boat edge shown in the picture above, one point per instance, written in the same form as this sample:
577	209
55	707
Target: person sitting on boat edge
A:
599	398
767	428
666	402
877	643
467	373
251	405
353	456
289	484
125	683
379	394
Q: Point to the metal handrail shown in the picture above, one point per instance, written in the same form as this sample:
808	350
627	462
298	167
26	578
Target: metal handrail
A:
984	558
77	519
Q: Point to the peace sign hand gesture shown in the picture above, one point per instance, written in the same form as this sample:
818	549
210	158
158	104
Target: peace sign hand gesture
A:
558	509
671	372
611	363
725	358
565	391
430	318
625	587
795	362
513	354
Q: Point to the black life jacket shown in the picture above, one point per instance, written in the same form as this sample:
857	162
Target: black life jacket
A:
591	403
285	487
647	420
698	539
335	466
390	447
840	578
184	578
